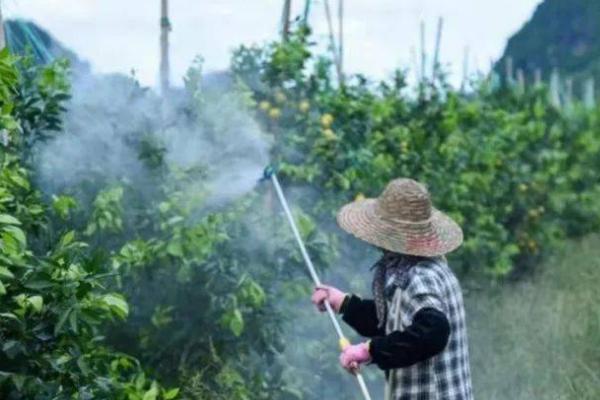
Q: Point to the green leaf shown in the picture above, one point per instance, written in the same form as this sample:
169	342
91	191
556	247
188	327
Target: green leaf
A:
19	381
66	239
175	249
9	220
10	316
73	322
62	320
2	289
306	226
65	358
236	322
11	348
62	205
38	284
5	273
37	303
16	233
152	393
117	304
19	180
10	245
170	394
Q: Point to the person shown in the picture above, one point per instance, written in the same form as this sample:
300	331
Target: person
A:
415	323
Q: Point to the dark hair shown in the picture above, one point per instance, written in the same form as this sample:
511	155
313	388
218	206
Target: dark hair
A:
407	258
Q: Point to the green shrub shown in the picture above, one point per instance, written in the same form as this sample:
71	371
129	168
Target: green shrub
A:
54	298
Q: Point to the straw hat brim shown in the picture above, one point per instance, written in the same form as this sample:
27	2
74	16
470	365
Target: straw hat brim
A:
437	236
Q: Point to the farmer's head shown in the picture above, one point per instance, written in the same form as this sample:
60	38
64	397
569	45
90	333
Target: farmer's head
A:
402	220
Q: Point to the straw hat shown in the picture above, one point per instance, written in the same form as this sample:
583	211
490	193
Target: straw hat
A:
402	220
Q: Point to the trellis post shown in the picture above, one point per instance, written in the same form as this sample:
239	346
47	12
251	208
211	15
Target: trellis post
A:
165	28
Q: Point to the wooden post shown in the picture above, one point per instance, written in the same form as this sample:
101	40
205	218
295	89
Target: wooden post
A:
465	78
415	63
341	36
165	28
423	53
285	19
555	89
569	92
521	80
436	54
537	77
334	49
509	71
589	96
2	37
306	11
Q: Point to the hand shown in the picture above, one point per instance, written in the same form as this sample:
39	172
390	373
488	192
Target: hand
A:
329	293
355	355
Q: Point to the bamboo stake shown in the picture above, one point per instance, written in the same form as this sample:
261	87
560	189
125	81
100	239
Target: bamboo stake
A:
589	93
555	89
165	28
423	52
415	63
2	36
465	71
285	19
521	80
509	70
436	54
537	77
569	92
307	5
334	49
341	36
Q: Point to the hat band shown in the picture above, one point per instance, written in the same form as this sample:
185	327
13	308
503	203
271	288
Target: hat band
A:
407	222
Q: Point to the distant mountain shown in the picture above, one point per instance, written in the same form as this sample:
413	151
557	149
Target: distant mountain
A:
24	36
562	35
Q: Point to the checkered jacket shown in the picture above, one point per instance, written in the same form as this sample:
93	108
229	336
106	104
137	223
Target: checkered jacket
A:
447	375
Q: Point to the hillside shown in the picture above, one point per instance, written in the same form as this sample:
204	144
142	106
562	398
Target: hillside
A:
561	34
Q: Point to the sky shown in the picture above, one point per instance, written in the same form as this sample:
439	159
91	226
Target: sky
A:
380	35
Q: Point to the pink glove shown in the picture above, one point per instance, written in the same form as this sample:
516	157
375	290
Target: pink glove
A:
355	355
333	295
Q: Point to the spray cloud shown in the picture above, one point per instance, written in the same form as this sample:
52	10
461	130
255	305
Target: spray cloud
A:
109	116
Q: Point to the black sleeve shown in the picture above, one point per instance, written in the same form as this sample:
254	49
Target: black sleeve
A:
424	338
361	316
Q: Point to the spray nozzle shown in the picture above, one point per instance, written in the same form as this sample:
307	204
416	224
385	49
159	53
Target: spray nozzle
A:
268	173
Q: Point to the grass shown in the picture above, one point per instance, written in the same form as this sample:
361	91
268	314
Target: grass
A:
540	338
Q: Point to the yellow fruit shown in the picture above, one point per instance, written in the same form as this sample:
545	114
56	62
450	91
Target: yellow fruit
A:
326	120
280	97
534	213
264	105
304	106
359	197
329	134
274	113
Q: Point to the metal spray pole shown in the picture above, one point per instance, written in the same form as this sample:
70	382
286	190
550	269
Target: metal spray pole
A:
344	342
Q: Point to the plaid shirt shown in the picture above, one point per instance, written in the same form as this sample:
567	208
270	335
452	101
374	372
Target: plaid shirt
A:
447	375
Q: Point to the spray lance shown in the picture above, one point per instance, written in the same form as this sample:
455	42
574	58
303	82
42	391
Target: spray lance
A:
269	174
